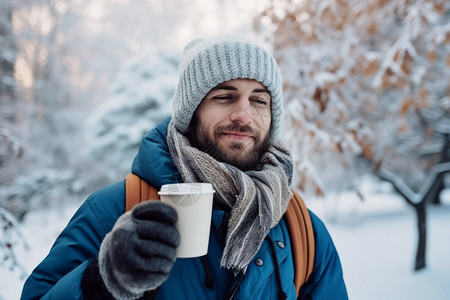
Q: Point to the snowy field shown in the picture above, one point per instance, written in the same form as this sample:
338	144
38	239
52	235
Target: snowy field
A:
376	240
377	244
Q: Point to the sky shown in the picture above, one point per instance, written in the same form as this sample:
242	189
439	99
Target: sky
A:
202	18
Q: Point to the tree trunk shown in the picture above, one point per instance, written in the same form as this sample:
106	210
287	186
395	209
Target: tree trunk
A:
438	188
7	49
421	213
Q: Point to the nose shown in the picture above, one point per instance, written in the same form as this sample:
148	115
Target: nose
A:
241	112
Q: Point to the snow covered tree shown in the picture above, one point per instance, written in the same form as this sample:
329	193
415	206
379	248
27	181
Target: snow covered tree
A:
35	126
11	239
360	79
36	109
7	50
10	146
140	98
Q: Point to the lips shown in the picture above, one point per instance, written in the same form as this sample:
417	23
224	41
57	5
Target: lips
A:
237	135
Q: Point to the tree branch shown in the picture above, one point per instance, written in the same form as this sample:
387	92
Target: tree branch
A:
429	121
403	189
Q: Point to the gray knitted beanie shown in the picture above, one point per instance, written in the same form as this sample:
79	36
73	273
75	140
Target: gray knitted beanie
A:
207	63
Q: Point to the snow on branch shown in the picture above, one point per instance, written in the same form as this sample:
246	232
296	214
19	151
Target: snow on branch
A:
306	168
10	239
394	60
11	144
437	119
410	196
418	16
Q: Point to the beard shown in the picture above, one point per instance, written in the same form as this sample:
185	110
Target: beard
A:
235	155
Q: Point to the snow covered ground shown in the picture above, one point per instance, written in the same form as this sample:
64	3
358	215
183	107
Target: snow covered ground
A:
376	240
377	244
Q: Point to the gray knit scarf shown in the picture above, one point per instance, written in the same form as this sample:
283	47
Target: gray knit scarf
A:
257	200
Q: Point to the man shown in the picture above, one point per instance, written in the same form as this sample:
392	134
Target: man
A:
227	115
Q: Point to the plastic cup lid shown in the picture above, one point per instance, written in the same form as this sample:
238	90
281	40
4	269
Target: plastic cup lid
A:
186	189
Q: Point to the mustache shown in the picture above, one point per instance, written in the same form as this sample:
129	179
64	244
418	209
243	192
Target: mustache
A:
237	128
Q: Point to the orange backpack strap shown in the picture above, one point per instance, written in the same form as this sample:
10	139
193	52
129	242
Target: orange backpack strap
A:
302	239
138	190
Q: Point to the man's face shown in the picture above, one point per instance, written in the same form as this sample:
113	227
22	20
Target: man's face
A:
232	123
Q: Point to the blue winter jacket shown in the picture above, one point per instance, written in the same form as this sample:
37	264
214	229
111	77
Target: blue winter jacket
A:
59	275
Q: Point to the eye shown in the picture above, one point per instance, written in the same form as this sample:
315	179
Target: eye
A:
223	97
259	101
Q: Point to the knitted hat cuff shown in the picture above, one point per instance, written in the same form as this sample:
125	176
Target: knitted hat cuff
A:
206	64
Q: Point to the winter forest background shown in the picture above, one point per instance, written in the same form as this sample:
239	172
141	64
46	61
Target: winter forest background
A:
367	95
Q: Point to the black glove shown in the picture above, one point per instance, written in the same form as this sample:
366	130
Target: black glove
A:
139	252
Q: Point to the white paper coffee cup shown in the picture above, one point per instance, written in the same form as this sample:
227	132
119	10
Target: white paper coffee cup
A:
193	203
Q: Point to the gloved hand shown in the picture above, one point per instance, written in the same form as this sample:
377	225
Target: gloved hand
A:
139	252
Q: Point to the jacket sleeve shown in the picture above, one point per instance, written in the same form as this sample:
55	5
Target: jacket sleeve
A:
326	280
59	275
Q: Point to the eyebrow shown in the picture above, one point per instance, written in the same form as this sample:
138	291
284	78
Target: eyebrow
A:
232	88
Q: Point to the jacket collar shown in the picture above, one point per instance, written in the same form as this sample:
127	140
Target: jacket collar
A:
153	162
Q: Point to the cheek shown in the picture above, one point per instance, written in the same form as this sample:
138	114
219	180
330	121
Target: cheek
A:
209	117
204	127
262	120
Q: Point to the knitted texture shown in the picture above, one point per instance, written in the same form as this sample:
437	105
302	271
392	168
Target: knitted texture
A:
207	63
139	252
257	199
